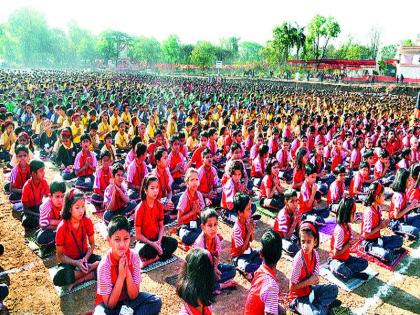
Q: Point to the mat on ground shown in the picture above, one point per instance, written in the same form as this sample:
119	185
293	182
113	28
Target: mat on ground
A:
62	291
350	285
359	251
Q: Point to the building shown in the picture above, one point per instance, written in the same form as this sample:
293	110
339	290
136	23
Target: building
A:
408	61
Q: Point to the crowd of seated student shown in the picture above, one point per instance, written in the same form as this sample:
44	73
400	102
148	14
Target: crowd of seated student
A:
159	177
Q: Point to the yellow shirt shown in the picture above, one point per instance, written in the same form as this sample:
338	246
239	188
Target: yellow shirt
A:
114	122
85	120
171	129
104	127
7	140
37	126
96	140
121	140
150	131
66	123
191	143
76	132
126	117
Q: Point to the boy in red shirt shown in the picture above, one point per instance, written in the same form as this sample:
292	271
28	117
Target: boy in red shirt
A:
85	165
263	296
119	276
18	176
102	177
176	164
210	185
33	191
136	171
196	159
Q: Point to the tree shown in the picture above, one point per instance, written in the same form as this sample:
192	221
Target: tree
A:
228	49
374	42
185	53
407	42
83	44
352	50
321	31
29	40
249	52
146	50
284	38
171	49
203	54
112	43
388	52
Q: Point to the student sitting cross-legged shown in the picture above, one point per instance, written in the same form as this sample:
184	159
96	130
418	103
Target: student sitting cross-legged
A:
102	177
116	201
119	276
85	165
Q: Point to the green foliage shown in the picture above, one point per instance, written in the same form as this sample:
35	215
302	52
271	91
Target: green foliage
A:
203	54
407	42
353	51
321	30
112	43
171	49
249	52
388	52
146	50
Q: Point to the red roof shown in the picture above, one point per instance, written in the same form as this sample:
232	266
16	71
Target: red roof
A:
336	62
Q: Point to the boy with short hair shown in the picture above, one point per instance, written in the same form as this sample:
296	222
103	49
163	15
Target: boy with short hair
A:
49	214
33	191
85	165
209	181
119	276
286	222
122	142
18	176
137	171
116	201
263	296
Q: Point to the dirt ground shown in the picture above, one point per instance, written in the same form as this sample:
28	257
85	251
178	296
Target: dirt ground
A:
32	291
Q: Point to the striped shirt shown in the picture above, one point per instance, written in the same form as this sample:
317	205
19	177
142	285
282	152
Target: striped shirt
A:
270	295
47	212
186	205
298	267
136	173
105	285
80	156
339	237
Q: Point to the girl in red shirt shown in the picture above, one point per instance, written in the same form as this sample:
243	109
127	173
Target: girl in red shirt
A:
196	283
305	292
75	243
189	208
402	219
299	172
271	191
153	245
341	263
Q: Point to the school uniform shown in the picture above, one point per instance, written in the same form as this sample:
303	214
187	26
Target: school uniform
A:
409	224
209	181
248	260
380	173
75	243
175	158
121	142
77	132
276	201
257	170
66	157
144	303
263	296
324	294
31	199
136	172
298	177
131	156
189	231
120	207
355	158
85	178
357	183
376	245
197	158
334	195
47	212
282	225
148	220
344	266
283	157
102	127
308	212
6	147
17	179
46	143
228	271
102	177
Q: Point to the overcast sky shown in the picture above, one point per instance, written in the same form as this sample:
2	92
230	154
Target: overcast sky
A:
194	20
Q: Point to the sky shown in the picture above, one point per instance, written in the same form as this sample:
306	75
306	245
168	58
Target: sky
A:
194	20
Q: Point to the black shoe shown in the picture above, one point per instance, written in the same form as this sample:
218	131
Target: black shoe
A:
361	275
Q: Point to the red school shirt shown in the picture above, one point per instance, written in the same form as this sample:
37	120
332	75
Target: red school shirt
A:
32	194
174	159
341	236
197	157
148	219
74	241
19	177
302	270
263	294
